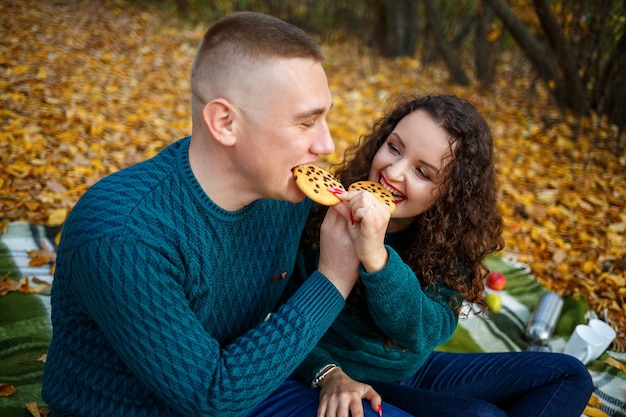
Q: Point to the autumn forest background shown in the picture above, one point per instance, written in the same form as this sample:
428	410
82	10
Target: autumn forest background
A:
90	87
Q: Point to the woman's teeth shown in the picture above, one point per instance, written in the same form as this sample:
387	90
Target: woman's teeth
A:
394	193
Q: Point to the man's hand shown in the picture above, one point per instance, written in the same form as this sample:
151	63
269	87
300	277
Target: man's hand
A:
338	261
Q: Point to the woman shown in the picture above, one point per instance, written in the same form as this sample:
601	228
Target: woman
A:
418	267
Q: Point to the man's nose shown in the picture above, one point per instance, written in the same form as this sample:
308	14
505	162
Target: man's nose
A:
323	144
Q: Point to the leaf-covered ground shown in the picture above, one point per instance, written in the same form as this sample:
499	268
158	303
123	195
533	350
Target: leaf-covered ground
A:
87	89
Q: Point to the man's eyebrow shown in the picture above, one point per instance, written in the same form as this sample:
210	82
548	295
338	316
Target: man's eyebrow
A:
431	166
309	113
312	112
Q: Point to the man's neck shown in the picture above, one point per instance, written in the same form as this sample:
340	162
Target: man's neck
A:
217	175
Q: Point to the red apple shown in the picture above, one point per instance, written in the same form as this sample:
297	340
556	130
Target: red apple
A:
496	280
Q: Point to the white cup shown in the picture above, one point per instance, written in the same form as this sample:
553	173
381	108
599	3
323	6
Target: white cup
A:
584	343
607	334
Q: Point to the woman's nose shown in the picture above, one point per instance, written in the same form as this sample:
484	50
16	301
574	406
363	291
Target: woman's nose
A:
395	172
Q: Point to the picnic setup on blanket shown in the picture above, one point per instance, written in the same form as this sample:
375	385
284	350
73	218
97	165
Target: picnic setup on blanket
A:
26	329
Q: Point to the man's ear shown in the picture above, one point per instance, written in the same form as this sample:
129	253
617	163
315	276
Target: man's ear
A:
219	117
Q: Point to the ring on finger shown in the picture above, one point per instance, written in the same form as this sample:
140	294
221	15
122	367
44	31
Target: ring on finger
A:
371	207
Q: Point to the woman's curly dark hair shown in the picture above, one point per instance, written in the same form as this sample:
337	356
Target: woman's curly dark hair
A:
448	242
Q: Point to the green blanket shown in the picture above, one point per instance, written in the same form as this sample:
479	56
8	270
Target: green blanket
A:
25	328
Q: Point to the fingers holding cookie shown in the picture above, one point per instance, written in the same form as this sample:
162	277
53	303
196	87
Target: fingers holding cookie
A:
377	191
366	206
369	220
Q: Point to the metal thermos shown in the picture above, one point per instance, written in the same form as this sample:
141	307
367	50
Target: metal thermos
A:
543	320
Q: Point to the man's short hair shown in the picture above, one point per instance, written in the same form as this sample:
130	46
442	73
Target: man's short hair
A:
243	40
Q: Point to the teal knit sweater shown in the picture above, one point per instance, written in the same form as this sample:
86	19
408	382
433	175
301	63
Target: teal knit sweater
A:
160	299
396	308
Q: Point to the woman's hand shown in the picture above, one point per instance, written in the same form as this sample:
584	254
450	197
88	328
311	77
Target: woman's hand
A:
341	395
368	219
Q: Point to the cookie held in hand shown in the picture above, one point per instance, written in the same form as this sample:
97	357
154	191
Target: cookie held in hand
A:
314	182
378	190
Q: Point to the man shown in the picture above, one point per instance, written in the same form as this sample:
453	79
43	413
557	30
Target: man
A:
168	270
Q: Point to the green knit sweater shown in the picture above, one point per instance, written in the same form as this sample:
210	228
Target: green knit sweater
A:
160	299
396	309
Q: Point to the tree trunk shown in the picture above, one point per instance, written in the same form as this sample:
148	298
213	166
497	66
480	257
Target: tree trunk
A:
380	35
395	27
485	62
183	7
531	47
410	39
575	97
611	89
457	75
614	65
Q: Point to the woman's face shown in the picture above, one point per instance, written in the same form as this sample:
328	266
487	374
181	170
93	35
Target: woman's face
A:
410	164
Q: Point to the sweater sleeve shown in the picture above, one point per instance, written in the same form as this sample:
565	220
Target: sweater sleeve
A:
153	329
306	262
416	321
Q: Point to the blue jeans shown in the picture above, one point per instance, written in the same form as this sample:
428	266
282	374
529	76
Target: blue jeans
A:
513	384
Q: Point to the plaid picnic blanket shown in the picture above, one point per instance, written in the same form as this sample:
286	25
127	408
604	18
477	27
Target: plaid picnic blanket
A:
505	331
25	327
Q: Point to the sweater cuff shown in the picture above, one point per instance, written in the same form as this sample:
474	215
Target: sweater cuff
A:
318	300
316	360
393	263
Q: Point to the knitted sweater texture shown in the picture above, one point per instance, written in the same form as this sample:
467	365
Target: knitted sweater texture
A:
396	308
160	299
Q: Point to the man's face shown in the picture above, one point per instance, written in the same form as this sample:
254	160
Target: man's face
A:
283	125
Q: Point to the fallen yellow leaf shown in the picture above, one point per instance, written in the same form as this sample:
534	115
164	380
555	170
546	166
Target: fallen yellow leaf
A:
7	390
57	217
594	412
611	361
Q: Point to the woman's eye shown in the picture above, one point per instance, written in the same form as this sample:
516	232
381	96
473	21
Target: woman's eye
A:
422	173
393	148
